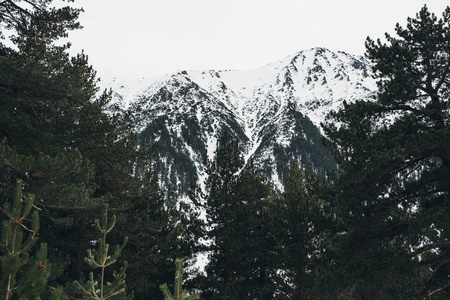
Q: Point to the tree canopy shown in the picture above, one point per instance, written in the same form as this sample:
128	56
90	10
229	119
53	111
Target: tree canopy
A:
377	229
58	140
392	196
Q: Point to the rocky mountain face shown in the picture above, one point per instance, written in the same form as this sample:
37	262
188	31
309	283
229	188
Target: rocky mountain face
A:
275	111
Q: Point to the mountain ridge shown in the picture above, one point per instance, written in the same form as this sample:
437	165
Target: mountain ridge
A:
275	112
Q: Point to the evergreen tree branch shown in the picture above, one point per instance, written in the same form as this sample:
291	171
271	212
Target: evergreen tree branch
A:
18	222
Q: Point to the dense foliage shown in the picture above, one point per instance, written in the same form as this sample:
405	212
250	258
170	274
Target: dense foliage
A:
240	254
392	199
16	250
376	229
57	139
179	293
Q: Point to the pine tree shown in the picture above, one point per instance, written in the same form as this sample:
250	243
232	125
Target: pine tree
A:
22	276
391	200
221	209
50	113
179	293
254	236
38	17
58	294
241	261
101	258
158	235
64	187
301	222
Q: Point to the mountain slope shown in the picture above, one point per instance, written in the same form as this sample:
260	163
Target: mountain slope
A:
275	112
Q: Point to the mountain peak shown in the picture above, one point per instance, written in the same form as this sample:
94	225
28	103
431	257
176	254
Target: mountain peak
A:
275	111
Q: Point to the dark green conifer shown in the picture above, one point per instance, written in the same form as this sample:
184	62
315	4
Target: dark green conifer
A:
241	257
179	293
301	217
58	294
158	235
221	210
99	287
392	199
22	276
254	228
50	113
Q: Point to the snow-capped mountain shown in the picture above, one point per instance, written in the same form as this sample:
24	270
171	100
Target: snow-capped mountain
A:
275	112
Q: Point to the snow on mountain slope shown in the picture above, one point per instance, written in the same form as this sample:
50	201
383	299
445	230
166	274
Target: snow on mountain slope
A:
124	91
318	79
275	111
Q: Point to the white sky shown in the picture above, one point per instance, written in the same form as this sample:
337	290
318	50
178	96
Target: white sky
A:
148	38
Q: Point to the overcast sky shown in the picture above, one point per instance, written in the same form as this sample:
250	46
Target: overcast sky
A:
148	38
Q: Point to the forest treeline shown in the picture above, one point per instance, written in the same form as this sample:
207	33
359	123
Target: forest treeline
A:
73	182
